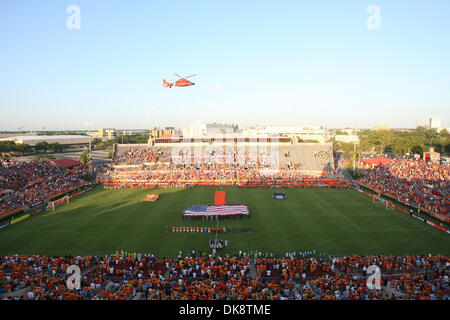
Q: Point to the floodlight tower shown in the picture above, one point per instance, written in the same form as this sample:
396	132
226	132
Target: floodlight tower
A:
90	149
354	151
89	135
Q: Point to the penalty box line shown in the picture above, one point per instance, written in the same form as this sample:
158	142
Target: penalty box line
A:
334	210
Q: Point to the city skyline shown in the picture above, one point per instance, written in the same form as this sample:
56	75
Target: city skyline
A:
282	64
423	124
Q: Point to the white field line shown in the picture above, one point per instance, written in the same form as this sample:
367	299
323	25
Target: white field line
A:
336	211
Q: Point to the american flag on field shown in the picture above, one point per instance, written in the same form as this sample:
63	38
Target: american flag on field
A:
195	210
225	210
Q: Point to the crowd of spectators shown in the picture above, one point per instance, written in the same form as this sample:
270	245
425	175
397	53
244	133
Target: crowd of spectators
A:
324	157
139	155
23	184
189	175
414	182
252	275
181	167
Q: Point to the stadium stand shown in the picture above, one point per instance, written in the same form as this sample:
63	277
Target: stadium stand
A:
243	164
252	275
413	182
305	156
23	184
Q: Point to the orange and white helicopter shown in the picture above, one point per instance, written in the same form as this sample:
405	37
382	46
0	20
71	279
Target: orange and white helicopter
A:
182	82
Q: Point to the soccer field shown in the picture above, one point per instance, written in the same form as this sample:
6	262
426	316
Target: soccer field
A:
332	221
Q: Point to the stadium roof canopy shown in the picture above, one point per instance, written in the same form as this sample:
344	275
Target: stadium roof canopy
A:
66	163
61	139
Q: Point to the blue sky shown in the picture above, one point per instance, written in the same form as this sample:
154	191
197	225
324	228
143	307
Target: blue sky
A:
258	62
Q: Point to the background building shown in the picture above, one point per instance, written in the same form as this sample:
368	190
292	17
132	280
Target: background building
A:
211	130
133	132
435	123
196	130
307	134
105	133
432	155
347	135
165	132
380	128
347	138
61	139
221	129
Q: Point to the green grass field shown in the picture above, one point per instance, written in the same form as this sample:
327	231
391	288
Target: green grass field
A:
331	221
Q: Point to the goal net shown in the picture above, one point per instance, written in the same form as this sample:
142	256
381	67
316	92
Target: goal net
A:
53	204
378	201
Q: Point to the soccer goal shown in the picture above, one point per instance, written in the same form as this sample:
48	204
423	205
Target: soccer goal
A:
378	201
51	205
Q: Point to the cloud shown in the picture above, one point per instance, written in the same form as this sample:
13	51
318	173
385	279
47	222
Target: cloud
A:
216	88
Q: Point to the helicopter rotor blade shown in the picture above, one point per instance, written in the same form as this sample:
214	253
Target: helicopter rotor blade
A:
190	76
178	76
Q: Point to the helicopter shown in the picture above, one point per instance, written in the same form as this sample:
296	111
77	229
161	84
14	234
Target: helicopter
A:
182	82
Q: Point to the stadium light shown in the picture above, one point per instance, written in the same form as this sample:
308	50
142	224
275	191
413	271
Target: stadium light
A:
90	149
354	151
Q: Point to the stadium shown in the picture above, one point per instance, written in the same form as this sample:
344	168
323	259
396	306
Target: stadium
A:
197	155
173	213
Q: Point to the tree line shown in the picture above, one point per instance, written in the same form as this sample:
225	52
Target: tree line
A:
396	142
106	145
97	143
11	146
